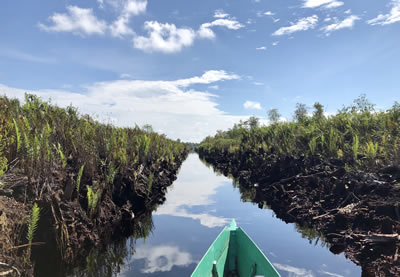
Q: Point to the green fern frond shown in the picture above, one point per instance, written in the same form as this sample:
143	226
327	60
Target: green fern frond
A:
33	223
78	180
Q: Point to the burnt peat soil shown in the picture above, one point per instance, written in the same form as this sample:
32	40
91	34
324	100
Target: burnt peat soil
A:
356	211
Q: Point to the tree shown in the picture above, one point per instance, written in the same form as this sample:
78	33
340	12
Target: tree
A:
319	111
273	115
362	104
253	122
300	114
148	128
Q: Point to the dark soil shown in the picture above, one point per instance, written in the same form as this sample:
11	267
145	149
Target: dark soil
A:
356	211
66	228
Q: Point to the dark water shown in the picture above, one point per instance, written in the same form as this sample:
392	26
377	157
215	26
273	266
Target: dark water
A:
199	204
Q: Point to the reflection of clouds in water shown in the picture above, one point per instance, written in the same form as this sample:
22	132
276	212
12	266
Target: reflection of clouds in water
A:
194	187
302	272
162	258
294	271
329	273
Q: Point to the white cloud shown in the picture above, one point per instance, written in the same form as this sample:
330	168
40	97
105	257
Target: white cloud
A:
76	20
220	14
134	7
258	83
215	87
165	38
348	11
346	23
120	28
83	21
269	13
250	105
127	9
303	24
275	43
205	30
170	106
261	48
385	19
334	4
325	3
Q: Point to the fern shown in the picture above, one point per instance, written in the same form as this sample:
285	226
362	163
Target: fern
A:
79	178
355	147
93	198
61	154
18	135
33	223
313	145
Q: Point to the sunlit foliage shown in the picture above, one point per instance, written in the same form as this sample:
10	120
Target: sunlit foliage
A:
358	135
51	145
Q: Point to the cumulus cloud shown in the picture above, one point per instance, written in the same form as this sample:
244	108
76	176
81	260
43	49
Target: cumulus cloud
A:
389	18
205	30
84	22
346	23
161	37
261	48
220	14
171	107
324	3
303	24
269	13
334	4
128	8
250	105
165	38
76	20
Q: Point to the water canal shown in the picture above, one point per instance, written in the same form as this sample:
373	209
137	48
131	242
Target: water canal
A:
198	205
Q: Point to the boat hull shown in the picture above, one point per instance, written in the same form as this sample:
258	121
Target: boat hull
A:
233	253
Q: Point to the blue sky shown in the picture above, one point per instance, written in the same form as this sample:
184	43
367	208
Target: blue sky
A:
190	68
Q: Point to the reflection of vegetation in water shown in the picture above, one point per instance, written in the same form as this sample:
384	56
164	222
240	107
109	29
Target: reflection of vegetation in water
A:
109	261
105	263
312	235
248	194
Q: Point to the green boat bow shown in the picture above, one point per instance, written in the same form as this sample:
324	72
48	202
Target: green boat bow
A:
234	254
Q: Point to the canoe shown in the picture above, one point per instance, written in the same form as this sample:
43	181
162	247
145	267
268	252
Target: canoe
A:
234	254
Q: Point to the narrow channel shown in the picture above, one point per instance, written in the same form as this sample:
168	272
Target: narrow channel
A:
198	205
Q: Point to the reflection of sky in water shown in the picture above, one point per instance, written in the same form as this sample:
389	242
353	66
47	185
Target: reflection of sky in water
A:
195	186
198	204
161	258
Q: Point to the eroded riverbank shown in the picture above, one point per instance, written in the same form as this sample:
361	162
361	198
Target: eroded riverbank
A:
177	234
356	211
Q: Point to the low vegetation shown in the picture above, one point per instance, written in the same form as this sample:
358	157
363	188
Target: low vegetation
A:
88	178
357	135
47	142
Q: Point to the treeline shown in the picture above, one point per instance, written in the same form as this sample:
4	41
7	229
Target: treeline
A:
358	135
